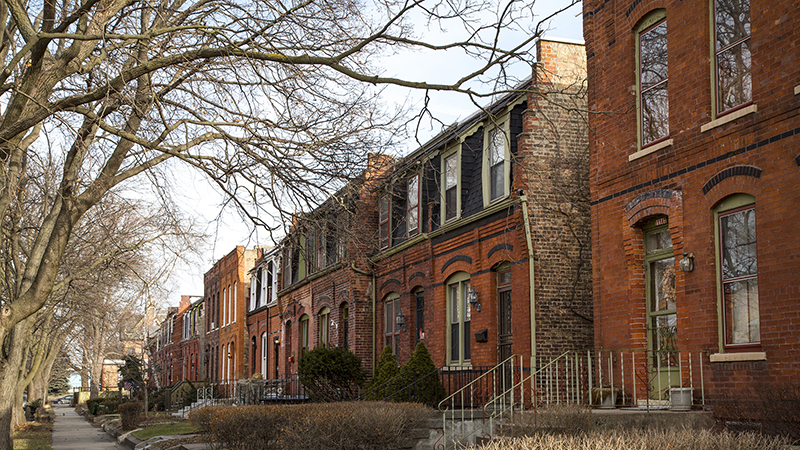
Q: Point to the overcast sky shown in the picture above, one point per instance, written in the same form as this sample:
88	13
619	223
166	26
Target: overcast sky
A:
227	230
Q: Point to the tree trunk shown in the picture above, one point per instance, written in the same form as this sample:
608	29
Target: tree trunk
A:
9	379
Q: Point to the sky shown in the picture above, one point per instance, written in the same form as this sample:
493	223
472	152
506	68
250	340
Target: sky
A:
226	229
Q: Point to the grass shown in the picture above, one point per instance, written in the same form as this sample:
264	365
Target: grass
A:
166	429
33	436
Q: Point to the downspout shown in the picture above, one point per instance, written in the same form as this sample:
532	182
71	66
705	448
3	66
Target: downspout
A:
531	271
374	324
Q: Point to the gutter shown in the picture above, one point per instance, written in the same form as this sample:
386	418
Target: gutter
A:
531	271
374	324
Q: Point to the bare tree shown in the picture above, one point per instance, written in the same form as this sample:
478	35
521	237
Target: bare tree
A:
275	102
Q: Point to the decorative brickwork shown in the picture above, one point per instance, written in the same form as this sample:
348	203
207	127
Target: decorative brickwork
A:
706	160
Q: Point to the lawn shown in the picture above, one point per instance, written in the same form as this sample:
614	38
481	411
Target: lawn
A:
33	436
165	430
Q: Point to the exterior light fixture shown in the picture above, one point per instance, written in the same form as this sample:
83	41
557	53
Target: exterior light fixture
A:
276	341
472	297
687	262
400	320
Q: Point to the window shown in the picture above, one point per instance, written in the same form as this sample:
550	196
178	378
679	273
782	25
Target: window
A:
496	172
732	54
459	315
413	215
312	262
391	306
420	297
332	245
303	334
661	295
271	282
738	263
345	334
653	79
324	326
264	355
450	206
383	227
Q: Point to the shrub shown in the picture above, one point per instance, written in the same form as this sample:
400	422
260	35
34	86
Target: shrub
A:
156	400
201	417
354	425
331	374
383	383
421	379
246	427
563	419
130	414
93	405
641	439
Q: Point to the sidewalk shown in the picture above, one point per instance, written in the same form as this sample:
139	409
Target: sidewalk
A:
72	432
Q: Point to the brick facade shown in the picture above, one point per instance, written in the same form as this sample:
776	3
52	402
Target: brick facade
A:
706	158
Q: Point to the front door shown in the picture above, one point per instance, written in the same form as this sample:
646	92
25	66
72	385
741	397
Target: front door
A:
662	320
504	330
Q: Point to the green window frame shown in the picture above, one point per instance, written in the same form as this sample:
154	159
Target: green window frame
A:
451	185
459	316
661	296
303	334
391	332
732	84
737	273
324	319
652	79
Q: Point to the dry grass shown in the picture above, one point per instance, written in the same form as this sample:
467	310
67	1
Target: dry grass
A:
640	440
33	436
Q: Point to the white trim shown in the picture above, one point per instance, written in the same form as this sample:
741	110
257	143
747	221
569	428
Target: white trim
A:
797	90
650	149
729	117
737	357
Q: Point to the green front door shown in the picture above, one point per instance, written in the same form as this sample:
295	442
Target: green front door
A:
662	320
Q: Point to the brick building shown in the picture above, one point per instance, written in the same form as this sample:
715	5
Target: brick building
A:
488	220
321	276
695	150
226	286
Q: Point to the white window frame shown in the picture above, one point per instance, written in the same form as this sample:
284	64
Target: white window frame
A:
388	222
503	125
409	232
456	153
391	331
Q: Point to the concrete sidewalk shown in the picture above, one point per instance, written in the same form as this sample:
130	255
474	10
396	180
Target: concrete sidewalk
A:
71	431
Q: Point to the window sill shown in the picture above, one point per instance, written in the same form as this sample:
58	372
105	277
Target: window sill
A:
729	117
797	90
650	149
738	357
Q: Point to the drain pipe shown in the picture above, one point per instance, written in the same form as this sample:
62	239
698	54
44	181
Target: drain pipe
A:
374	293
531	271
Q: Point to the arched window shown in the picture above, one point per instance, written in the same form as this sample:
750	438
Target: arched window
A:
738	271
303	334
458	319
391	306
324	319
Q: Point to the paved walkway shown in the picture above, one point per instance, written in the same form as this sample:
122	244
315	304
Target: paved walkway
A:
71	431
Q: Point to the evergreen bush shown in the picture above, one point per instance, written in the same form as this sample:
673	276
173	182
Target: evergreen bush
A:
130	415
420	379
384	383
331	374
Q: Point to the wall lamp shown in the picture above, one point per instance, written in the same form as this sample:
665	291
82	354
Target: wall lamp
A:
400	320
276	341
472	297
687	262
